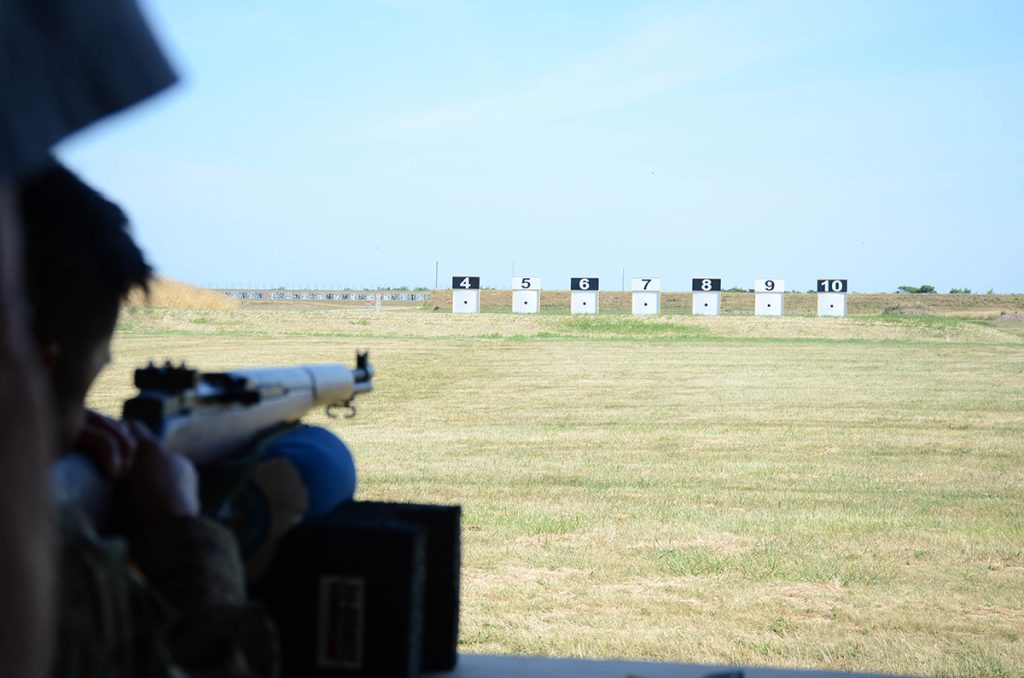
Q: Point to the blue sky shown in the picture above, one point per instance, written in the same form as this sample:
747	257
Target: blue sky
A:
349	144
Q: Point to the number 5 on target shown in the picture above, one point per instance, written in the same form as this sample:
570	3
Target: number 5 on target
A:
526	294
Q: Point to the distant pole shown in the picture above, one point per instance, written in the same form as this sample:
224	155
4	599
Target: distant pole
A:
623	280
436	263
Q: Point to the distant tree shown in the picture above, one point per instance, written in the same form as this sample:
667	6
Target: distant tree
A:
909	289
960	290
739	289
926	289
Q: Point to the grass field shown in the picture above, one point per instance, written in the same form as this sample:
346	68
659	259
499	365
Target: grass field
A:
834	493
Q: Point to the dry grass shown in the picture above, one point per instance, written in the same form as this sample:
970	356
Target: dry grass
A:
167	293
843	494
342	323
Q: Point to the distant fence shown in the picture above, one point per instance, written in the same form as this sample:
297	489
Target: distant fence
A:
330	296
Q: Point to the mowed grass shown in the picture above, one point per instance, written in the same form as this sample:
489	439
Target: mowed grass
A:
844	494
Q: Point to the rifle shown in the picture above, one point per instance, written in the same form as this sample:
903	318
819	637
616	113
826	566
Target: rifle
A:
207	416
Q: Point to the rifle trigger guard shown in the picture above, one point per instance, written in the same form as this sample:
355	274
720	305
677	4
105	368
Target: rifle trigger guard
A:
351	411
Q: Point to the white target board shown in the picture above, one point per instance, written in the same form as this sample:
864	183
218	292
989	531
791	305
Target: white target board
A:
646	296
466	294
832	297
768	296
584	295
707	296
526	294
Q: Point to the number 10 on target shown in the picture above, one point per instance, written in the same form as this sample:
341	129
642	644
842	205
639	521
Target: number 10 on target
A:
832	297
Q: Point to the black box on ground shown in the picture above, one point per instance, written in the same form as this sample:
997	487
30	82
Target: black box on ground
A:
443	525
347	597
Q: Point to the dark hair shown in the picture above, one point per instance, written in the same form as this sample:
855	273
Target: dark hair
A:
80	262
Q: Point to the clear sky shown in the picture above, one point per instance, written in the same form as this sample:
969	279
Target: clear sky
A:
348	144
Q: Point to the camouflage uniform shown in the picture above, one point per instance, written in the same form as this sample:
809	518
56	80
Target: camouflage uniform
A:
188	616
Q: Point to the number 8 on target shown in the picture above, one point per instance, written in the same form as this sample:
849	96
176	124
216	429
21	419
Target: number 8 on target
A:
707	296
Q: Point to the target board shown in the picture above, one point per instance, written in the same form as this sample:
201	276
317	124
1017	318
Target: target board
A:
707	296
526	294
768	296
646	296
466	294
584	295
832	297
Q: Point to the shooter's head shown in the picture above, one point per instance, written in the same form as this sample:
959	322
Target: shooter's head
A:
80	264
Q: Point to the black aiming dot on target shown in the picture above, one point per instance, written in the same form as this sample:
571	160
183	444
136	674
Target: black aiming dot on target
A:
526	303
769	305
465	301
584	303
645	303
705	305
831	305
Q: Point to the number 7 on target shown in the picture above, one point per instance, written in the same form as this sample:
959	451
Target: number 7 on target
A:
646	296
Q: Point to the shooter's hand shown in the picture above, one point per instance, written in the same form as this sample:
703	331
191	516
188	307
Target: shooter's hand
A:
108	443
161	484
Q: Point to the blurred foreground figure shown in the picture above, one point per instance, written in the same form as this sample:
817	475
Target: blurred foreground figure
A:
63	65
162	591
25	567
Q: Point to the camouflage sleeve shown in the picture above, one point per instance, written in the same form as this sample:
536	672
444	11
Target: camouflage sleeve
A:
189	619
195	565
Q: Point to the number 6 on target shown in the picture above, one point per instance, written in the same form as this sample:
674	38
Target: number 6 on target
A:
584	295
